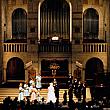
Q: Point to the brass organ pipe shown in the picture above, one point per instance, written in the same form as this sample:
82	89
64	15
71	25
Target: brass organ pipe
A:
54	22
61	21
48	22
43	25
51	22
66	24
45	22
63	25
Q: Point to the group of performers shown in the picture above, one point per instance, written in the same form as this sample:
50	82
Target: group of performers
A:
79	89
32	89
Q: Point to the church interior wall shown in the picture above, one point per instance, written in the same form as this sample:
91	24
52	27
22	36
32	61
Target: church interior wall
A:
100	11
77	16
10	9
1	56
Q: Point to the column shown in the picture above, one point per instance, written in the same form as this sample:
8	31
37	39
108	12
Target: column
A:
26	75
39	66
4	74
70	66
83	75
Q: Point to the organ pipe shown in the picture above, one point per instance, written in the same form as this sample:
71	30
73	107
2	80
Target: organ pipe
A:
55	20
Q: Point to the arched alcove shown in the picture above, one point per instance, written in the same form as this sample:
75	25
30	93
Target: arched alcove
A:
94	71
90	24
19	24
15	69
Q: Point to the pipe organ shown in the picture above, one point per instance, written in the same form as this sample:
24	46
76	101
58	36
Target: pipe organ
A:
55	19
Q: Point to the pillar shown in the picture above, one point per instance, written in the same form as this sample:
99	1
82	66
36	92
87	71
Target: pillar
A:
4	74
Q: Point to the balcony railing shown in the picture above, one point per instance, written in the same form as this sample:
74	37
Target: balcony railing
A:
95	47
87	47
55	48
15	47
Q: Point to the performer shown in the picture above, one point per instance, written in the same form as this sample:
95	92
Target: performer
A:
26	91
84	91
56	87
31	82
70	93
51	94
38	81
79	91
38	95
75	87
21	90
70	80
33	94
54	82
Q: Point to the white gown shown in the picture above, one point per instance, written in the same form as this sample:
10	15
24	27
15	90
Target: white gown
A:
26	90
21	94
33	94
51	94
38	82
31	82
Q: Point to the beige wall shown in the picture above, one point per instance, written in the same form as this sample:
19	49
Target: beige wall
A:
10	9
1	41
77	13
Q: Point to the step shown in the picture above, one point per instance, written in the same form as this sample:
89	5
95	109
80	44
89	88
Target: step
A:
14	92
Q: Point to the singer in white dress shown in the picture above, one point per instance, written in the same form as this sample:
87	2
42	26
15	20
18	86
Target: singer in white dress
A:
21	93
51	94
33	94
38	82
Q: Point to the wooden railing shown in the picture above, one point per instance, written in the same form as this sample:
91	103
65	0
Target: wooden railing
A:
15	47
55	48
95	47
87	47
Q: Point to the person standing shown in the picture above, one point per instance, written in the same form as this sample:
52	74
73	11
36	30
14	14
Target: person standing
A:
84	92
56	87
79	91
51	94
38	81
38	95
21	92
70	93
26	91
33	94
31	85
31	82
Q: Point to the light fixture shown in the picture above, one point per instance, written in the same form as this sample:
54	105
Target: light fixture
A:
55	38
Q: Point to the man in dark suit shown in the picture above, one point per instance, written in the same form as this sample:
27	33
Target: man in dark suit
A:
56	87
